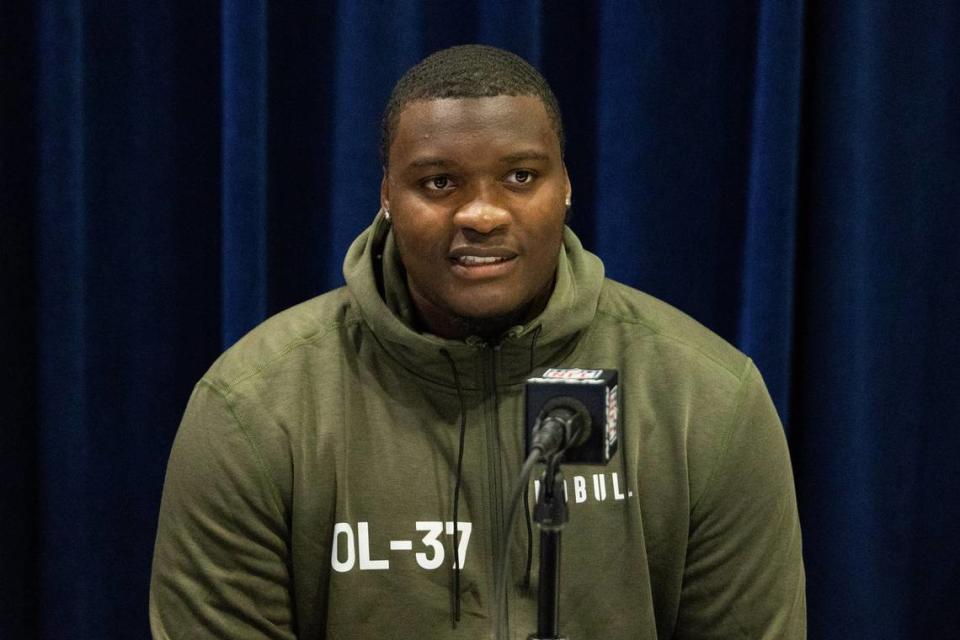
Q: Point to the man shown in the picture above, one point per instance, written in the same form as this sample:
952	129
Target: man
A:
322	461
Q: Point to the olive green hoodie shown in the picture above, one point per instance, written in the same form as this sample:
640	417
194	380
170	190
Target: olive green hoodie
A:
311	485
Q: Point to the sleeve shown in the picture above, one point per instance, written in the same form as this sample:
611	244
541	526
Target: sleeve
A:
220	564
744	575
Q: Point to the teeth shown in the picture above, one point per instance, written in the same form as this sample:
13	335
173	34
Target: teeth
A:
471	260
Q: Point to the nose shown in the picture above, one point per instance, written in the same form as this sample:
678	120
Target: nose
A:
482	214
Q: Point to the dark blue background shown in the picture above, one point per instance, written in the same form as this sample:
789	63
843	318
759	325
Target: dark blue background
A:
787	172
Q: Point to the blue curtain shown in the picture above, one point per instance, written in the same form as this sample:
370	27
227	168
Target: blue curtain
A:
787	172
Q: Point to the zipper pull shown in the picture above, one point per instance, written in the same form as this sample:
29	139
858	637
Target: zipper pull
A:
476	342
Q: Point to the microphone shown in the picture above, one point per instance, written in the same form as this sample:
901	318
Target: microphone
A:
574	412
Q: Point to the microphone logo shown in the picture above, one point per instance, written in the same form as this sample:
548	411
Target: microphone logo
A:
589	393
572	374
612	415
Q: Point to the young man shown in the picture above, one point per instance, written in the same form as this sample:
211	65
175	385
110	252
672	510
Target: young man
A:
323	461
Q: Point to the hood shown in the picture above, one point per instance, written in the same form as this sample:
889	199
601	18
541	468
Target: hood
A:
376	280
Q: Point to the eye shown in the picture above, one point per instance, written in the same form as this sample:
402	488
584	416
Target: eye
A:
438	183
521	177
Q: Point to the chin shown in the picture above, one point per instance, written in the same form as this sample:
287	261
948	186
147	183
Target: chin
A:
491	321
476	311
500	305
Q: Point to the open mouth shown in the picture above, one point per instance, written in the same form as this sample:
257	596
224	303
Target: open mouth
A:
471	261
474	267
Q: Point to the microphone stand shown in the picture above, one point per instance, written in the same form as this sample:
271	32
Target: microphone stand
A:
551	515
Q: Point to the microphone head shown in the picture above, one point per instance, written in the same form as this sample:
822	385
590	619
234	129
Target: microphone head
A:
594	389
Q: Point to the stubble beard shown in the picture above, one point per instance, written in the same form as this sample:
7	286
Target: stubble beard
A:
495	326
491	327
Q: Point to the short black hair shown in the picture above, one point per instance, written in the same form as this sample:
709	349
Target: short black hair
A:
467	71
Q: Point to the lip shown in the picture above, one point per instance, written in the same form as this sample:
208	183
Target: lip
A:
464	251
481	262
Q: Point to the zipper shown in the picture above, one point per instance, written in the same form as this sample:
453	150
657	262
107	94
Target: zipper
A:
491	356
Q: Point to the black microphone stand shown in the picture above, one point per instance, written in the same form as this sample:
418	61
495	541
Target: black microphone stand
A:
551	515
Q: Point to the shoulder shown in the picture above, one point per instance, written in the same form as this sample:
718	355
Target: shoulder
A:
641	321
291	336
249	408
696	398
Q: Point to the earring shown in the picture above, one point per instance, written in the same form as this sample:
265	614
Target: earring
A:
386	213
568	202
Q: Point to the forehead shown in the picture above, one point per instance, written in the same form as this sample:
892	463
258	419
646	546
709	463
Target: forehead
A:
451	125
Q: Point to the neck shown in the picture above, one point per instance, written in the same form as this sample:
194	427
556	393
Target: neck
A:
442	323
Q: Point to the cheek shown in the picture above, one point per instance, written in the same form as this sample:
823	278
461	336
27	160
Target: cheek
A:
545	256
550	233
412	233
421	249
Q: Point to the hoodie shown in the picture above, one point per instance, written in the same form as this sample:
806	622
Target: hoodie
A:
312	484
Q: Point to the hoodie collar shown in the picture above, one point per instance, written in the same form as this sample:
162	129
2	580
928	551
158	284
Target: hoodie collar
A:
375	278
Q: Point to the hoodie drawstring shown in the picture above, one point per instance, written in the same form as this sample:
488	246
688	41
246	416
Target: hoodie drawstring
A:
456	489
526	494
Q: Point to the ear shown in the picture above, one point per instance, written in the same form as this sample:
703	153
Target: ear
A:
385	191
566	177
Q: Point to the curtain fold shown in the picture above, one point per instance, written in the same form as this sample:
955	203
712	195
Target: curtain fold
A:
874	389
373	47
244	175
765	328
18	300
64	522
788	173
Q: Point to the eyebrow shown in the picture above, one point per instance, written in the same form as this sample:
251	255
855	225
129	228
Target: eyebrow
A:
519	156
429	162
525	155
